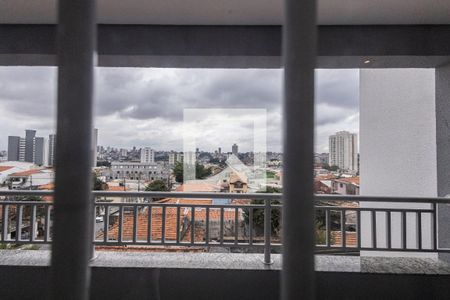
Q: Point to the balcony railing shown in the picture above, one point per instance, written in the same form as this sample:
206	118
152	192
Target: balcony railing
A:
343	224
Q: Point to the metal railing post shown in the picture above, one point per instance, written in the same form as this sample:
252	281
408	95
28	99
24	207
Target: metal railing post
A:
72	230
299	60
267	232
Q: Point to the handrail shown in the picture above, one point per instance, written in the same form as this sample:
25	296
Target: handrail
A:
187	220
261	196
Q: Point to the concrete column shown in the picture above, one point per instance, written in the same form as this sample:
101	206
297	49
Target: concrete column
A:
73	217
398	149
443	154
299	58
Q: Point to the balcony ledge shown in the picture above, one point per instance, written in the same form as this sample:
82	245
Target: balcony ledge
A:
235	261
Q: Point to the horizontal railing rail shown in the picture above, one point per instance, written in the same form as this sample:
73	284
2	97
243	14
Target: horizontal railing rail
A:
344	225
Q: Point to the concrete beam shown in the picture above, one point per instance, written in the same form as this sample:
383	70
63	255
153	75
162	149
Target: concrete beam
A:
235	46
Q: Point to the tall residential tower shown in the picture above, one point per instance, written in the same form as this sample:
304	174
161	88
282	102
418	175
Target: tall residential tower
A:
344	150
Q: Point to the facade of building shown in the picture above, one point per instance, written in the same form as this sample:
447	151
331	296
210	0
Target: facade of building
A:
343	148
175	157
94	147
235	149
40	151
29	149
139	171
123	152
321	158
346	186
51	149
147	155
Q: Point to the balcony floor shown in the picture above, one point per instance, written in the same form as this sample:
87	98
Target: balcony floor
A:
125	275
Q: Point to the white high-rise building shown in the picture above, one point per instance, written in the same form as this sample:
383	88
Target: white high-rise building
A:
94	147
147	155
344	150
51	149
234	149
175	157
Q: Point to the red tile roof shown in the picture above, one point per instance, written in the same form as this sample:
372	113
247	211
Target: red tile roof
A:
48	186
352	180
26	173
171	221
116	188
4	168
325	177
142	228
198	187
351	239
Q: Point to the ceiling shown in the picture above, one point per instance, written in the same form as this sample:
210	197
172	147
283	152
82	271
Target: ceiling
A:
235	12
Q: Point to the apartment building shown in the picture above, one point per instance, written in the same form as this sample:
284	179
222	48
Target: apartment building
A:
343	148
138	171
147	155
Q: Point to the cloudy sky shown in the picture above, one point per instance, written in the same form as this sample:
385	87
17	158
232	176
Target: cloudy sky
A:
144	107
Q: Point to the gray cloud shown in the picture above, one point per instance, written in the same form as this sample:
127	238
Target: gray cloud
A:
137	106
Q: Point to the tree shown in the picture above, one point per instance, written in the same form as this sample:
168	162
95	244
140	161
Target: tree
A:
178	172
200	171
97	184
157	186
334	168
103	163
258	213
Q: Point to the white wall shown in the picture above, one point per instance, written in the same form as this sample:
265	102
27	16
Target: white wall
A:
397	145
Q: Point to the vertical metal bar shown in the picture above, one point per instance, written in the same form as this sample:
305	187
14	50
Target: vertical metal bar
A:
5	216
267	231
106	224
404	229
149	225
419	230
236	224
221	225
120	229
163	225
33	221
72	233
299	59
358	229
178	224
135	223
373	214
207	226
192	224
250	226
47	223
328	227
344	242
388	230
435	233
18	222
92	225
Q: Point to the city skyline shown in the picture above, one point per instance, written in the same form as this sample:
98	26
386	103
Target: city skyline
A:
144	107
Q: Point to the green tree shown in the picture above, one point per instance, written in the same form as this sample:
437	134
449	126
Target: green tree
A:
200	171
103	163
178	172
258	213
97	184
157	186
334	168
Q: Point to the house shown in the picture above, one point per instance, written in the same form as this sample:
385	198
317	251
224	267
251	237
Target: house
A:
30	179
346	186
